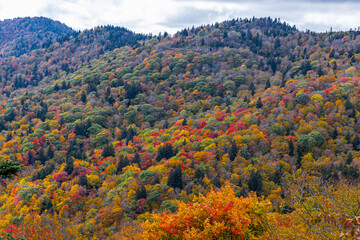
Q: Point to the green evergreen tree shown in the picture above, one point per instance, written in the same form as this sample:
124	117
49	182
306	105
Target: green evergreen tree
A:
69	167
233	151
291	148
50	152
108	151
255	181
83	96
9	168
267	85
42	157
137	158
140	192
83	180
252	88
175	178
123	162
356	142
349	158
335	134
259	103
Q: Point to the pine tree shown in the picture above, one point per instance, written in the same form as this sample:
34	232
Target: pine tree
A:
349	158
259	103
217	182
31	160
83	180
9	168
50	152
108	151
141	193
335	134
255	181
252	88
175	178
83	96
233	151
184	123
137	158
42	157
123	162
268	85
291	148
356	142
69	167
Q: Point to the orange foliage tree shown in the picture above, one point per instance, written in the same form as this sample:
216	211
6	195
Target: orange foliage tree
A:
219	215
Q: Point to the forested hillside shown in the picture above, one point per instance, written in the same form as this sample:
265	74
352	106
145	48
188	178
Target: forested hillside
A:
245	129
22	35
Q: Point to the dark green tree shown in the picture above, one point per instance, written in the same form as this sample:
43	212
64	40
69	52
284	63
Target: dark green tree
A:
83	180
335	133
233	151
108	151
268	85
349	158
141	192
83	96
259	103
348	104
255	181
9	168
175	178
31	158
136	158
123	162
291	148
252	88
50	152
356	142
42	157
69	167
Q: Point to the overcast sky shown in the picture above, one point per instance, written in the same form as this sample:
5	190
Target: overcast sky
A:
154	16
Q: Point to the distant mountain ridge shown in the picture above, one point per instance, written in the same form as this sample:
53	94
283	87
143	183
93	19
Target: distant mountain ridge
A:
22	35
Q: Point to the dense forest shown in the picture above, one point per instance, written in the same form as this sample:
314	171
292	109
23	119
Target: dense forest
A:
244	129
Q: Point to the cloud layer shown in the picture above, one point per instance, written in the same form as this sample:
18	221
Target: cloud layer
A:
172	15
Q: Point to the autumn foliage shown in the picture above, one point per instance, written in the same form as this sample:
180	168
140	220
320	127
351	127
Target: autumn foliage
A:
218	215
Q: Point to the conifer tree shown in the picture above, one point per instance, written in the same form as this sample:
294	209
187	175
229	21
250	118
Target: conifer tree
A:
255	181
175	178
69	167
141	192
42	157
9	168
259	103
268	85
349	158
291	148
83	96
83	180
252	88
335	134
356	142
136	158
123	162
108	151
233	151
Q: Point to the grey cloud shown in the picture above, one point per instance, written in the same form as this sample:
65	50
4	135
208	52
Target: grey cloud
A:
187	16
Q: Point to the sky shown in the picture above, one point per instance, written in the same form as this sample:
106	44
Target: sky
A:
154	16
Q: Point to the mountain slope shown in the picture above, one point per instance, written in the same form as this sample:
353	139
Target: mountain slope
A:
21	35
110	135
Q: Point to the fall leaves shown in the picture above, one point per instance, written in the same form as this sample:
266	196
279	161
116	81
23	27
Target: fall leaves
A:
218	215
